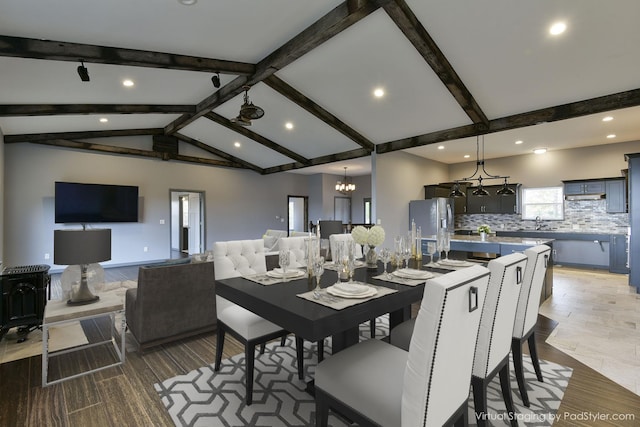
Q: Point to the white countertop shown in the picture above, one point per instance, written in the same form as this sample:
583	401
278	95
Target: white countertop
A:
493	239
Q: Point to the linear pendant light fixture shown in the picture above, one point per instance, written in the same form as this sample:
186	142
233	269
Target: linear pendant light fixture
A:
480	190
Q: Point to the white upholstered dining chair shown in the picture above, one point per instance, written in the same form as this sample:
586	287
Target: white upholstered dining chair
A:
494	336
374	383
538	258
234	259
296	248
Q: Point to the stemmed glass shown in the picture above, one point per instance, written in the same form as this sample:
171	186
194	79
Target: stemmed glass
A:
318	269
385	257
446	245
284	260
431	248
398	249
406	251
351	259
337	257
440	244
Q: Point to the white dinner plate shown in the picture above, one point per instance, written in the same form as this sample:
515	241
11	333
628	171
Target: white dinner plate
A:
279	274
352	288
410	273
455	263
336	292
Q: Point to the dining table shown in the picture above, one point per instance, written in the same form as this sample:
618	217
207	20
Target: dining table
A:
314	320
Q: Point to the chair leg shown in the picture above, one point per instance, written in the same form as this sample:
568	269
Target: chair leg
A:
249	358
320	350
322	410
262	347
505	385
372	327
283	341
479	386
219	344
533	352
300	356
516	350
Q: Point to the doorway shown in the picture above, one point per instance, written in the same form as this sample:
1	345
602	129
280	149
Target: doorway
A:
298	213
187	223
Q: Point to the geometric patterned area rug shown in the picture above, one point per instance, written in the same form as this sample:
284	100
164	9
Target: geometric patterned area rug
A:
206	398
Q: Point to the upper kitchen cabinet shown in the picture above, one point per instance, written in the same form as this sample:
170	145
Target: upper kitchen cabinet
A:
583	187
493	203
443	190
616	190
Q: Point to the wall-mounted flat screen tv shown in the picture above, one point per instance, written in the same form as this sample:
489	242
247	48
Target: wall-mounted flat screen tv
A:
93	203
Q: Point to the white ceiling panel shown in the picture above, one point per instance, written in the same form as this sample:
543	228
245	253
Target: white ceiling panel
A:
342	73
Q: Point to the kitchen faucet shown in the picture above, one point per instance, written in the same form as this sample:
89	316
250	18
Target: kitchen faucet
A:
538	223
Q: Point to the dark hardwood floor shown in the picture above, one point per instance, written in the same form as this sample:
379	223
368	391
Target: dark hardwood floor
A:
124	396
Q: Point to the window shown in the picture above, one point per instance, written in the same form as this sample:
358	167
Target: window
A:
367	210
546	202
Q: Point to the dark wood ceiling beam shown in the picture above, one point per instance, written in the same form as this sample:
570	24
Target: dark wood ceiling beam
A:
409	24
331	24
36	137
337	157
12	110
571	110
20	47
292	94
87	146
216	152
217	118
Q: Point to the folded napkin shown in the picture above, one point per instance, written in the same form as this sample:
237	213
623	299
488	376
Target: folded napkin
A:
411	273
352	288
278	272
455	262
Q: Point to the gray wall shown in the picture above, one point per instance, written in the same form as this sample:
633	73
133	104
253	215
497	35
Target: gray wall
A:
239	204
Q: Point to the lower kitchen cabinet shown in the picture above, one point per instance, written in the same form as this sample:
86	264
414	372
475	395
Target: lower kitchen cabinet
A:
618	254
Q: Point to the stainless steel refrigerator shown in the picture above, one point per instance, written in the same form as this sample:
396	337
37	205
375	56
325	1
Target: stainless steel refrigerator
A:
432	215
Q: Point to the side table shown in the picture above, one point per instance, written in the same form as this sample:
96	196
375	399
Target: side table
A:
59	312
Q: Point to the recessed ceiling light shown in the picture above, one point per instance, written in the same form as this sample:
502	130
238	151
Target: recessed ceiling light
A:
540	151
127	83
103	120
518	142
611	136
557	28
466	156
378	92
288	125
187	2
237	144
440	147
607	119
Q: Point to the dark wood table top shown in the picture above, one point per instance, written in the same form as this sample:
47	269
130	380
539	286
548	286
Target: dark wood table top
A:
279	304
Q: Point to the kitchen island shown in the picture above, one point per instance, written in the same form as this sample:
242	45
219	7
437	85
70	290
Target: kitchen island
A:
464	246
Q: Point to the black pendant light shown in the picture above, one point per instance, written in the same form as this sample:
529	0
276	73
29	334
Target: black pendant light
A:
248	111
480	190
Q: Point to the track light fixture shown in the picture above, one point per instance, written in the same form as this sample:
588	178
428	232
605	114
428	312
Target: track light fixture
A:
83	72
480	190
215	79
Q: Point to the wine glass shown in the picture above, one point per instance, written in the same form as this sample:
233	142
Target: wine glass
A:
407	251
284	260
446	245
431	248
318	269
337	257
385	257
440	244
398	244
351	259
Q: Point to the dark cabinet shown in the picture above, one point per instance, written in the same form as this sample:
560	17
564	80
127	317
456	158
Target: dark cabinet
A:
618	254
616	190
493	203
574	188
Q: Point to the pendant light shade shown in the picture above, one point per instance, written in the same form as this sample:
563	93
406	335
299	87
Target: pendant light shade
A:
456	192
505	190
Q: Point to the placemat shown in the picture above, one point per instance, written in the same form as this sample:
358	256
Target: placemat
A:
331	266
266	280
338	303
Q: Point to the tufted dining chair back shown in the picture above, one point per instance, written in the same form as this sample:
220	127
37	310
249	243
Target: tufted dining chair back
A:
336	239
296	248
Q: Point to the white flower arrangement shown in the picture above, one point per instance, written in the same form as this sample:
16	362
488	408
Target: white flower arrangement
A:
372	237
484	228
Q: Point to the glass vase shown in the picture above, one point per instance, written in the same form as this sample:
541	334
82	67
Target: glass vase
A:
371	258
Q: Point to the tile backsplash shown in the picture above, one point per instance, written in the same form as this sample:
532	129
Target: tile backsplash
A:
580	216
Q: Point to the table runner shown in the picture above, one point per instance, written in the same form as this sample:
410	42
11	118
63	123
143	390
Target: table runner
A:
338	303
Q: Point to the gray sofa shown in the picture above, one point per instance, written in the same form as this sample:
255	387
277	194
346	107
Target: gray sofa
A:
172	301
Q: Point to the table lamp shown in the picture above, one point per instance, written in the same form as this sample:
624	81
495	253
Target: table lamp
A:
81	247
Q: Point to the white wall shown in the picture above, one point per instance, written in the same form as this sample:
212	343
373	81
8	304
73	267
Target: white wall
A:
551	168
240	204
399	178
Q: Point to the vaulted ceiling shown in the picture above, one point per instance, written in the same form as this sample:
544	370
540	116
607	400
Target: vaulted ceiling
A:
449	70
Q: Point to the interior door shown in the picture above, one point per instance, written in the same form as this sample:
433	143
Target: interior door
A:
298	213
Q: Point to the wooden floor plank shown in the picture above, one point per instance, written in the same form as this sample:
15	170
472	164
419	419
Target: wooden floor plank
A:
47	407
123	403
15	401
